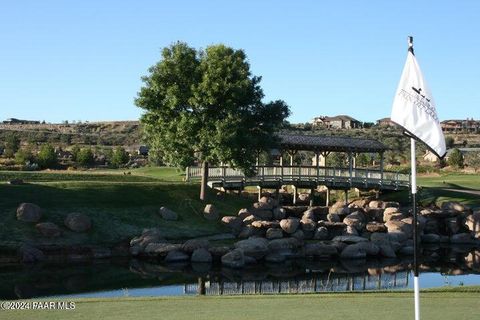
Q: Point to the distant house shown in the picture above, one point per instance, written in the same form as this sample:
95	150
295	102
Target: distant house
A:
337	122
385	122
20	121
430	156
143	151
461	126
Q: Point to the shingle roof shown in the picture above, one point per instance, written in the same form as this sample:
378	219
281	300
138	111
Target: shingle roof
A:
329	143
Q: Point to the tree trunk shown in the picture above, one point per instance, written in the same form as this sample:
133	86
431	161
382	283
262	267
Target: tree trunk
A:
203	187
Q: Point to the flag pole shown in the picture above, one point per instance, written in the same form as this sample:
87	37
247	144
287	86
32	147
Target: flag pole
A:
413	160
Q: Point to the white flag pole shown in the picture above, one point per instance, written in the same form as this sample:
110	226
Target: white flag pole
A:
416	286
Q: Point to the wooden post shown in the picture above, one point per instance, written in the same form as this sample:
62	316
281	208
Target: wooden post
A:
203	186
350	166
381	165
201	286
346	197
327	197
294	194
187	174
259	193
312	194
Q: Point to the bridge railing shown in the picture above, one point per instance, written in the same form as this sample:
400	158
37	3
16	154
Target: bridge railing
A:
298	172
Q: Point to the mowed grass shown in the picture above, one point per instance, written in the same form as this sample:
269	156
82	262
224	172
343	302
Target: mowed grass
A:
450	304
120	206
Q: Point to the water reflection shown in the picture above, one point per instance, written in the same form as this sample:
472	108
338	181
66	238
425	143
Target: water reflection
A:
131	277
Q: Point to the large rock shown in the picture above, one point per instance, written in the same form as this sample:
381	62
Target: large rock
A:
279	213
393	216
210	212
375	214
78	222
266	224
376	227
284	243
234	259
356	220
391	204
243	213
201	255
295	211
48	229
320	250
461	238
176	256
399	226
473	224
333	217
349	239
308	224
452	225
138	244
233	223
218	252
262	214
161	249
353	251
274	233
386	250
266	203
430	238
375	204
29	254
453	206
321	233
250	219
168	214
193	244
289	225
253	247
275	258
371	249
29	212
299	235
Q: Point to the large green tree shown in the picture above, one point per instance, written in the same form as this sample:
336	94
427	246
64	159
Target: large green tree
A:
205	105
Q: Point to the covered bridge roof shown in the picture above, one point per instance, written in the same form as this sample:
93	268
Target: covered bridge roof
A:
329	143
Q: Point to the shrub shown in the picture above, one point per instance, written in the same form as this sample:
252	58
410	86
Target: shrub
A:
47	158
24	156
455	159
85	157
119	157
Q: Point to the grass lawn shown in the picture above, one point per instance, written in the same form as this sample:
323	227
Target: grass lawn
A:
456	303
120	205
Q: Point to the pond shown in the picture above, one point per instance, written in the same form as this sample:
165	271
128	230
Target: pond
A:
132	277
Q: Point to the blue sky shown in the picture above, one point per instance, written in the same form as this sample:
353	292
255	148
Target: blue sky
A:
82	60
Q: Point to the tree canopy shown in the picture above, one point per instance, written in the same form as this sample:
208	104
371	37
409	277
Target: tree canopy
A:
206	105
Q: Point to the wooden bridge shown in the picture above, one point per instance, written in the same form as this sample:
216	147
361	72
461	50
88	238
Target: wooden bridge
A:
307	177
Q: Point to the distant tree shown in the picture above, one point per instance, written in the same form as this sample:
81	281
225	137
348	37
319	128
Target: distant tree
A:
85	157
47	158
464	143
368	125
12	145
24	156
75	151
472	159
449	142
455	159
119	157
336	159
207	106
363	160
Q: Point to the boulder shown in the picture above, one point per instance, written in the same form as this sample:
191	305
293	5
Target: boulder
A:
29	212
250	219
233	223
262	214
168	214
356	220
461	238
78	222
201	255
234	259
359	203
266	224
349	239
407	251
370	248
398	236
210	212
376	227
274	233
473	224
353	251
29	254
218	252
275	258
284	243
253	247
430	238
289	225
307	224
333	217
299	235
266	203
399	226
243	213
193	244
374	214
295	211
393	215
138	244
386	250
379	237
161	249
391	204
48	229
279	213
320	250
453	206
350	231
316	213
176	256
390	210
452	225
321	233
375	204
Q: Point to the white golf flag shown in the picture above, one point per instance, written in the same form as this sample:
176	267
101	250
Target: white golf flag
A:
414	107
